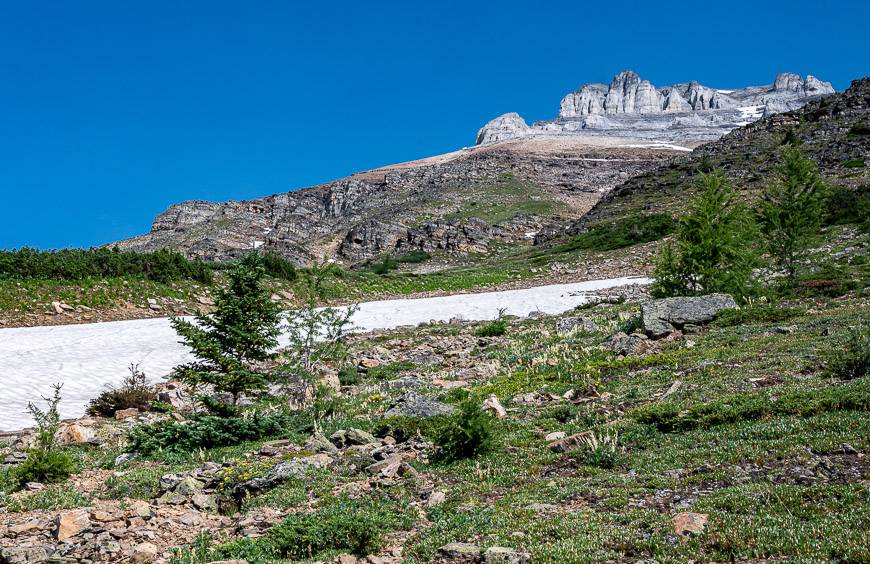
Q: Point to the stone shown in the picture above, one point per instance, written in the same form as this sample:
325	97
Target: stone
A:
459	552
568	324
494	407
189	486
125	458
140	508
555	436
571	443
688	523
69	524
318	443
144	552
414	405
436	499
24	554
662	317
627	345
126	413
280	473
355	436
505	555
204	502
75	433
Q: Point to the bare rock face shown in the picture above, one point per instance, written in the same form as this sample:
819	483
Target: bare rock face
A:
633	107
506	126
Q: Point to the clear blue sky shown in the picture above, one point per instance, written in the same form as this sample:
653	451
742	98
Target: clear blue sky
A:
110	111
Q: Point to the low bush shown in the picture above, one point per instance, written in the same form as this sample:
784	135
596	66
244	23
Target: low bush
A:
495	328
859	130
348	526
389	370
854	163
851	359
845	205
133	393
623	233
77	264
46	462
600	451
45	467
756	313
208	431
670	417
274	265
348	375
465	434
402	428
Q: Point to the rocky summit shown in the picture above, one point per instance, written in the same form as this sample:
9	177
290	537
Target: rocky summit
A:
631	106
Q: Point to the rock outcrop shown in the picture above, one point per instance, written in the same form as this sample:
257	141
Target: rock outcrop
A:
634	107
661	317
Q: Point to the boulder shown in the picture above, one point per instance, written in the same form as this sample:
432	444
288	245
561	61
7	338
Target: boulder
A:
573	442
569	324
627	345
318	443
280	473
459	552
661	317
415	405
75	433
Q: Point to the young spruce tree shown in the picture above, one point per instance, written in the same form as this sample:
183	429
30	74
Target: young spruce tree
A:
243	329
792	209
713	249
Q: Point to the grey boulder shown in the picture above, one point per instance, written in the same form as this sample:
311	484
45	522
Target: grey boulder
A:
662	317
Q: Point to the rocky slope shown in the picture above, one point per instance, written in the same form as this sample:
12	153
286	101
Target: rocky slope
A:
682	112
455	203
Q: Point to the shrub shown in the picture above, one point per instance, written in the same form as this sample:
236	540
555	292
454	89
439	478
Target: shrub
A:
600	451
859	129
853	163
625	233
44	466
77	264
389	370
348	526
348	375
495	328
791	209
845	205
243	329
208	431
466	434
851	359
134	392
713	250
755	313
402	427
274	265
45	463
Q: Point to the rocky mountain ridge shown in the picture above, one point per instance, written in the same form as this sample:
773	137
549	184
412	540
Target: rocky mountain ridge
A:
455	203
633	107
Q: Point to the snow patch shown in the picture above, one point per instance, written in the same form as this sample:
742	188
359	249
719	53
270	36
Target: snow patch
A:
88	358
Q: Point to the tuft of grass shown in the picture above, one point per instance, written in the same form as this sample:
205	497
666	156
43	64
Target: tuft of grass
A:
851	359
495	328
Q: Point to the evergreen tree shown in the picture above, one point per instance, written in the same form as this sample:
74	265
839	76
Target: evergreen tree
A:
243	329
792	209
713	250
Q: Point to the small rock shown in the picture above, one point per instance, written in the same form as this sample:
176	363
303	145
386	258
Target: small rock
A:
687	523
414	405
568	324
436	499
144	552
71	523
124	458
627	345
555	436
189	486
126	413
505	555
318	443
459	552
204	502
494	407
571	443
74	434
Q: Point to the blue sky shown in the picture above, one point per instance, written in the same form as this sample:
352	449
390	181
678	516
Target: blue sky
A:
111	111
